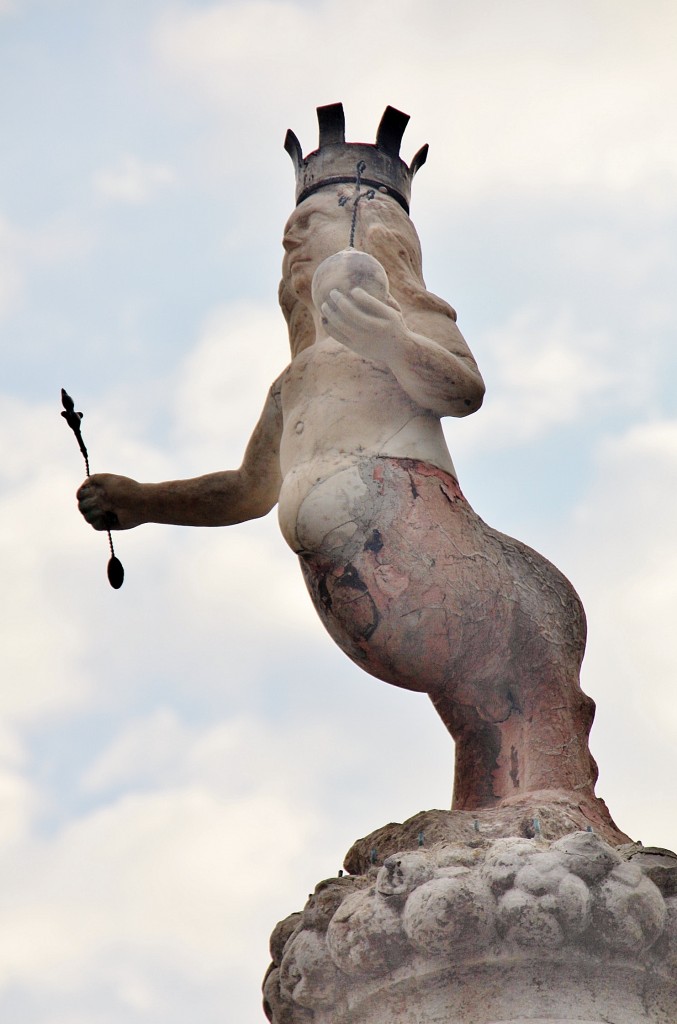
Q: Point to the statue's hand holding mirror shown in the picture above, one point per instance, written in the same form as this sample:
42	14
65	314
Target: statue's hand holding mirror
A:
350	290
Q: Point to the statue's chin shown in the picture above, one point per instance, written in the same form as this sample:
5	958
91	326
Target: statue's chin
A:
300	279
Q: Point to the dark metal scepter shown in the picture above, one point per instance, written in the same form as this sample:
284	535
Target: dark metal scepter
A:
116	573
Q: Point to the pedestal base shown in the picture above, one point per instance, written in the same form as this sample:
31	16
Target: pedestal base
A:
484	930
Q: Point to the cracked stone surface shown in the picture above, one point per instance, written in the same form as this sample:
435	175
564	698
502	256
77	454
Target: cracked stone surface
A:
408	580
500	931
420	592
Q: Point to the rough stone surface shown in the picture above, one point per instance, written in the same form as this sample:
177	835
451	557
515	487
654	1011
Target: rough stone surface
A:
547	815
500	931
366	935
421	593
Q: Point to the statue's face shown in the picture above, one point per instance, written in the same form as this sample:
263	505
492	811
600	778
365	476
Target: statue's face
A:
318	228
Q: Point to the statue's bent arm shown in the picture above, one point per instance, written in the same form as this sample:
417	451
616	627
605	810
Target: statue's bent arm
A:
439	380
108	501
439	375
439	329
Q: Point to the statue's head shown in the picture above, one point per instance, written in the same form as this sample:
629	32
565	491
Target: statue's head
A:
330	184
327	185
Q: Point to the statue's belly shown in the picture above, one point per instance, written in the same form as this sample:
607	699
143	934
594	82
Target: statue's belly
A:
310	510
418	591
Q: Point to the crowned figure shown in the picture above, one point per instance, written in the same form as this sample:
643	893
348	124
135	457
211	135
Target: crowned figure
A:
412	585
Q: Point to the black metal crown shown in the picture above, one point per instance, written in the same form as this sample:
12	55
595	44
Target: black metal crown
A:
335	160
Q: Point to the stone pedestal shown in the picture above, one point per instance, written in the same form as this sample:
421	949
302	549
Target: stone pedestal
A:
480	929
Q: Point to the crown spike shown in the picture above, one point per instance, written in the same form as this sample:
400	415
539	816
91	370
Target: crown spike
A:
391	130
293	147
332	122
419	159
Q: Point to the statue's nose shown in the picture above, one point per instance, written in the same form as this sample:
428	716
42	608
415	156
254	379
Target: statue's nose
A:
290	242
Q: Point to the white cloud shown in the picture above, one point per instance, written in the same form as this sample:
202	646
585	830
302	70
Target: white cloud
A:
541	372
622	551
55	242
176	876
591	82
176	883
18	805
235	757
632	509
632	263
146	751
132	180
214	46
41	640
223	382
11	278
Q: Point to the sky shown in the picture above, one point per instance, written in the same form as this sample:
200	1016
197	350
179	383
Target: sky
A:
181	761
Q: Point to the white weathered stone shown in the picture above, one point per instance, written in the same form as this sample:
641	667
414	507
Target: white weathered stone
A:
307	974
587	856
403	873
511	931
629	912
453	914
365	935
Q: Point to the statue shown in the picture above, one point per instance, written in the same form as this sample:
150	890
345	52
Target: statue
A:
412	585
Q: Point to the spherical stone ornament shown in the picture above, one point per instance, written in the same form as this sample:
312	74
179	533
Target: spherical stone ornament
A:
586	855
327	898
403	873
541	873
503	860
628	911
665	949
349	269
365	936
307	974
547	897
573	903
450	914
526	921
281	934
280	1008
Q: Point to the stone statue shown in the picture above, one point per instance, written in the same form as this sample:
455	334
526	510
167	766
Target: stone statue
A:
408	580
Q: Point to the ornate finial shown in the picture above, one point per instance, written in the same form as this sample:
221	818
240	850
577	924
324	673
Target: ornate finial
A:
334	161
116	572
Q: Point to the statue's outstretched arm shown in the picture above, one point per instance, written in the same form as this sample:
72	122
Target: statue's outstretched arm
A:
111	502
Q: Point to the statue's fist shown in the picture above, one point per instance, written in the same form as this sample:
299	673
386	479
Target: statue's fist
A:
109	502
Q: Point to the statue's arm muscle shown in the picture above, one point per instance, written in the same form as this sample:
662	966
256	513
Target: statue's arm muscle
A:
108	501
438	372
438	369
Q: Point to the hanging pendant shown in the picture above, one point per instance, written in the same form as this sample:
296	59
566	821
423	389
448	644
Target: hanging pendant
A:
116	573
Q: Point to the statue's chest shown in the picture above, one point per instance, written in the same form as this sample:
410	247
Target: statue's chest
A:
330	372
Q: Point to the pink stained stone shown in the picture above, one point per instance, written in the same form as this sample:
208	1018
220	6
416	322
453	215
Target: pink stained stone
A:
421	593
